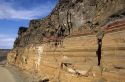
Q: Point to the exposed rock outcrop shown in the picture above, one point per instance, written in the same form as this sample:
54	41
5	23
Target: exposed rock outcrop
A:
72	17
62	46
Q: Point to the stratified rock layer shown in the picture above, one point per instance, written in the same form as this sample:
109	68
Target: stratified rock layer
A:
62	47
72	17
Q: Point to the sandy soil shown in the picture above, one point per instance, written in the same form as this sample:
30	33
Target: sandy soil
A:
10	75
6	75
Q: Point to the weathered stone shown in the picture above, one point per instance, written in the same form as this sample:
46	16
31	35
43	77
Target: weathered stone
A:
68	35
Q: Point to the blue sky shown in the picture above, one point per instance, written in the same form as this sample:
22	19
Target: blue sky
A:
16	13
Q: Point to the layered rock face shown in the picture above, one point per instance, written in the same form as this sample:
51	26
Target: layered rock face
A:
63	46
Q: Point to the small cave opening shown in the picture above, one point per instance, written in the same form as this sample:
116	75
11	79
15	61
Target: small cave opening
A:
45	80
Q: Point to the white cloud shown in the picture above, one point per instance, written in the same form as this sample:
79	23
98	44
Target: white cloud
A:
7	11
6	41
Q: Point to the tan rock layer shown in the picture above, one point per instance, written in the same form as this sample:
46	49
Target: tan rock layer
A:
71	56
80	52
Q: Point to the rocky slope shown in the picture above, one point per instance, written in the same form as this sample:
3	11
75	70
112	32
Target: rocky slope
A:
62	47
71	17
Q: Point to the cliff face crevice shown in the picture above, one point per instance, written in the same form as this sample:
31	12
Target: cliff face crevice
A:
64	44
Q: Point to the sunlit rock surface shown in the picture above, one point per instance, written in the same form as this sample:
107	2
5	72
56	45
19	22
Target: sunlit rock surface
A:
62	47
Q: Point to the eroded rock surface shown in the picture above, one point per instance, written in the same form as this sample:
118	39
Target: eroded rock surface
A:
62	47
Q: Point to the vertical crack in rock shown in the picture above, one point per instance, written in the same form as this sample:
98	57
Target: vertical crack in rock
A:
100	36
69	23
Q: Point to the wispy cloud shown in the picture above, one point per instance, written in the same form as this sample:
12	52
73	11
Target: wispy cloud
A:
6	41
8	11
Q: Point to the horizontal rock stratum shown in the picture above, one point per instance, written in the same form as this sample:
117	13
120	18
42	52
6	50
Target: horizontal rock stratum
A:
63	47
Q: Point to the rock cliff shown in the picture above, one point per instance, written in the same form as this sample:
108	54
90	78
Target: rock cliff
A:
64	46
